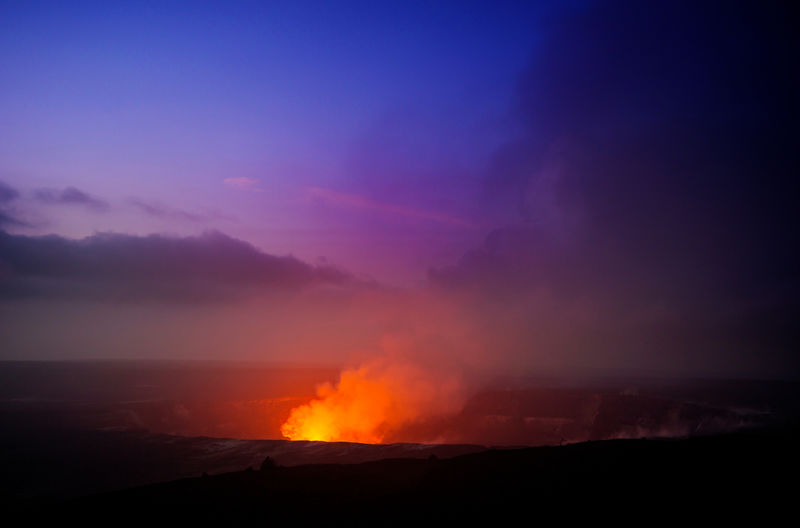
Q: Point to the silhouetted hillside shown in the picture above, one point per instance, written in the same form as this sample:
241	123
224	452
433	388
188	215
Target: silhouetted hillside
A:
719	475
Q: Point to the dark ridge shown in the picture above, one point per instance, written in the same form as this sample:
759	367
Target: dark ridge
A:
751	470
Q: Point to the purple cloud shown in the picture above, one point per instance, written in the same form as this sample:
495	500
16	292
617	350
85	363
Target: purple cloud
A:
70	196
243	183
120	267
651	191
357	202
165	212
9	194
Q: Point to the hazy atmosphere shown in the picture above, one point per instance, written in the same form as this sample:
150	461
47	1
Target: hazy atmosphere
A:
391	263
497	185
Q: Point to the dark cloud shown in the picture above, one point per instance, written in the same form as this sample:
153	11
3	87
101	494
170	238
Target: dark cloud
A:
8	194
7	220
655	175
119	267
70	196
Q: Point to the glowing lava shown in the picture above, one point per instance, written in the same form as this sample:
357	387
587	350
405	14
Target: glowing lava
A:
370	402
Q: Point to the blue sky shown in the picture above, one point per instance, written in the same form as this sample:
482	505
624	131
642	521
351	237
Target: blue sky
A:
161	102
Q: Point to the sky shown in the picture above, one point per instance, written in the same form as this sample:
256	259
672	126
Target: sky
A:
295	126
585	184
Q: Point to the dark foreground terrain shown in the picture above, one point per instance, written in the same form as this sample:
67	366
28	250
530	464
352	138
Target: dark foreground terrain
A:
752	472
117	441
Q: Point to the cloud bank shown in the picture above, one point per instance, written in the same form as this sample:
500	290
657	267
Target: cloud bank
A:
70	196
654	190
8	218
120	267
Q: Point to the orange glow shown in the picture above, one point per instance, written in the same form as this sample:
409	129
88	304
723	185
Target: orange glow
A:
369	403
